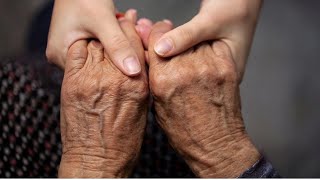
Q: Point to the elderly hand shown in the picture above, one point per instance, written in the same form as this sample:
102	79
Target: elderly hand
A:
74	20
103	112
231	21
197	101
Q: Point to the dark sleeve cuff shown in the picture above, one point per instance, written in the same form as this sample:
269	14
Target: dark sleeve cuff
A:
261	169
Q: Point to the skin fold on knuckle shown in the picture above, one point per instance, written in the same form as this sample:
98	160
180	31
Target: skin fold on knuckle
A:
227	71
135	89
160	85
165	84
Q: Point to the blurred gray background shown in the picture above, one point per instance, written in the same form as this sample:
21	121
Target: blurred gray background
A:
280	91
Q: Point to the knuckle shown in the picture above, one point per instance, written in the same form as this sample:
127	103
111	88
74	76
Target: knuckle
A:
205	72
143	90
163	84
136	89
159	85
228	72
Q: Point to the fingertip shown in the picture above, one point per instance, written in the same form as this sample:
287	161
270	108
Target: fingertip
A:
156	35
161	26
163	47
132	15
144	33
118	47
145	21
168	22
132	66
181	38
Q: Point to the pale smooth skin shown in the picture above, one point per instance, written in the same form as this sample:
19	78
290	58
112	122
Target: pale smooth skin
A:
230	21
197	102
74	20
103	111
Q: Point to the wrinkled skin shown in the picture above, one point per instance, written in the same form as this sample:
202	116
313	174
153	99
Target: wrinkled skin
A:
197	101
103	111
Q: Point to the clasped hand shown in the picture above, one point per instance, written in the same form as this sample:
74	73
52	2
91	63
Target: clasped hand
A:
196	98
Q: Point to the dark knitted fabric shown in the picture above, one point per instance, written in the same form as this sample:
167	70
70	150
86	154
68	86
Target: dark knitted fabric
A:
262	169
29	125
157	158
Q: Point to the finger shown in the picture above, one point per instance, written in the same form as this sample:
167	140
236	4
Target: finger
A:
117	47
143	28
131	34
145	21
132	15
182	38
144	33
157	32
77	55
95	53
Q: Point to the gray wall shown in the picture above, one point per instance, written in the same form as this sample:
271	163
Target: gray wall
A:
15	16
280	91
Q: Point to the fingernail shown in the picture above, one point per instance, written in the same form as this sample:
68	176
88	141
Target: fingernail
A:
163	46
132	11
132	65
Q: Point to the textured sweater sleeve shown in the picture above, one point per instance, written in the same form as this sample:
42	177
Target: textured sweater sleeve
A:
261	169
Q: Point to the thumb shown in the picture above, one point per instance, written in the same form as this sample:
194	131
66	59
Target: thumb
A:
158	30
76	56
183	37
